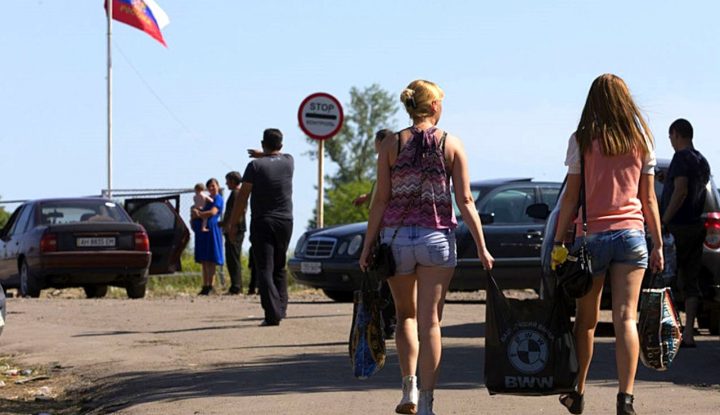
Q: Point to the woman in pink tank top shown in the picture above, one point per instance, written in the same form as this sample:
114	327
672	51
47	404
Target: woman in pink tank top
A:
618	151
413	207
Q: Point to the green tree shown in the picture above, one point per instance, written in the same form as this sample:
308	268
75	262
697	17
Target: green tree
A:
4	216
353	148
339	203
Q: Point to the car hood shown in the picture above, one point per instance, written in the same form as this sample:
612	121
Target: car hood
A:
340	230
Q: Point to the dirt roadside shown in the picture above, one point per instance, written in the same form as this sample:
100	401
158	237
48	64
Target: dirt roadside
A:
192	355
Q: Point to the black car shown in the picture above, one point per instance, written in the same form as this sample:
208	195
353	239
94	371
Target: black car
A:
709	313
328	258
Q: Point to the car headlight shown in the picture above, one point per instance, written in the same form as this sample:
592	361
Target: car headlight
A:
300	246
355	244
343	248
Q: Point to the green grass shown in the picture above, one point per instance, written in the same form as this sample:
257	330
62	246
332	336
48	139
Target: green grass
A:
189	280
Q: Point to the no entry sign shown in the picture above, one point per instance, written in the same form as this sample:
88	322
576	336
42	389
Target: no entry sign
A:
320	116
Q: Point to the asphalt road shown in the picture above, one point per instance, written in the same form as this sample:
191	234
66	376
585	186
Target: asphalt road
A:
193	355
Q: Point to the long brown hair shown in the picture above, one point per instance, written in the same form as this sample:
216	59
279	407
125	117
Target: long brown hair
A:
611	116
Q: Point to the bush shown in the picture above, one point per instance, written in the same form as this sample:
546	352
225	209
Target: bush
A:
189	280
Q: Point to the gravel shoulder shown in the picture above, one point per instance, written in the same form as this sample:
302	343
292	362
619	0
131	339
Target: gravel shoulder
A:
191	355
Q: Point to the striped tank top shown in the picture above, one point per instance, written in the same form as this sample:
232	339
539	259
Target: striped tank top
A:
420	184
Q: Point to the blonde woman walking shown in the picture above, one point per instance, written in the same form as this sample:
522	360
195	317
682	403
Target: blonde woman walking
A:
413	211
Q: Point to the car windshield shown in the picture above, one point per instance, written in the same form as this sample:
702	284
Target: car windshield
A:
72	211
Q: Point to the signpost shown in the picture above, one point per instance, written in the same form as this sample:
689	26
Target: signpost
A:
320	117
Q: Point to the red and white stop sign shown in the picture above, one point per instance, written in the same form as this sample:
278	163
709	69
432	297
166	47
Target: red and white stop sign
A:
320	116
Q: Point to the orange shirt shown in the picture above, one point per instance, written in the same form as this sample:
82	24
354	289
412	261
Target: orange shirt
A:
611	185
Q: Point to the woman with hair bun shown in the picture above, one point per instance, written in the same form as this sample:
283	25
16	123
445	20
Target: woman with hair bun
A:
413	212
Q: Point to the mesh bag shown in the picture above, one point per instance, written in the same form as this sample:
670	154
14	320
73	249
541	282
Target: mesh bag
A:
367	341
659	328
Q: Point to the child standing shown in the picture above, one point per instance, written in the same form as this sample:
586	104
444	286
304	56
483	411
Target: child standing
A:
199	200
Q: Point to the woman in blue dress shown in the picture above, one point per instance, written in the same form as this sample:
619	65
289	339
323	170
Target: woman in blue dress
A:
209	242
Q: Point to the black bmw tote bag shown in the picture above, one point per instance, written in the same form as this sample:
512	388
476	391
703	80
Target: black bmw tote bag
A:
529	345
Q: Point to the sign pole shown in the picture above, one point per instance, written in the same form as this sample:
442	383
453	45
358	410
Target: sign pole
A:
320	116
321	190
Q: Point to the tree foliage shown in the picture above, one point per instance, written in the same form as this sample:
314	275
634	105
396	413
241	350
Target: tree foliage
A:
4	216
339	208
353	148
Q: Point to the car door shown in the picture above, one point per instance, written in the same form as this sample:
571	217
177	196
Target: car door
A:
165	228
13	240
5	270
512	237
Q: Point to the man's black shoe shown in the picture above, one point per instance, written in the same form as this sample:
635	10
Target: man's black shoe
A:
267	323
234	291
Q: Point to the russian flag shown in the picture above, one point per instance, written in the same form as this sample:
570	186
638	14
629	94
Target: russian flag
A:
145	15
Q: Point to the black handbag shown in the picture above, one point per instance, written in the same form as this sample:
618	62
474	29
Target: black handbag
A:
383	261
575	275
529	345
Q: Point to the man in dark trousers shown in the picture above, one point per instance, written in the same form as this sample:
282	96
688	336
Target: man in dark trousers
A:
268	179
682	204
233	246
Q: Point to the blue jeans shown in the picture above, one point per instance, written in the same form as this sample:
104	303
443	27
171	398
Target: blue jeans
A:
624	246
415	245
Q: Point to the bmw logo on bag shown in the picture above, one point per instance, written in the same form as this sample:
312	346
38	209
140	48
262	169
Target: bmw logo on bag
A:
528	351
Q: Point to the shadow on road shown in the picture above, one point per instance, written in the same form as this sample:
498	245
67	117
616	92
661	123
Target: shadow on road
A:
311	372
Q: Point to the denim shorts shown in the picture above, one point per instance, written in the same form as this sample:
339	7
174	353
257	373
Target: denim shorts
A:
415	245
624	246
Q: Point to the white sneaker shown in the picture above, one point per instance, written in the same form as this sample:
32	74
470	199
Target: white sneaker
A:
408	403
425	404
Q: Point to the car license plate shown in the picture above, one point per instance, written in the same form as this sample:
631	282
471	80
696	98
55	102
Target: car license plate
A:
311	267
95	242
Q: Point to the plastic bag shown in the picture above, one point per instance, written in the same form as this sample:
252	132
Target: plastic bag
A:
529	345
367	341
659	328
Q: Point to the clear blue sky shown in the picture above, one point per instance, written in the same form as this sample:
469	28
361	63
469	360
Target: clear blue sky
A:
515	74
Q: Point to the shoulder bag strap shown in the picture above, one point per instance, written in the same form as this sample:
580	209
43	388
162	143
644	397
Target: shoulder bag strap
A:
583	205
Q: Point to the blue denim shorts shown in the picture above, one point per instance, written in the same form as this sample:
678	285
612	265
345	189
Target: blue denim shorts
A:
415	245
625	246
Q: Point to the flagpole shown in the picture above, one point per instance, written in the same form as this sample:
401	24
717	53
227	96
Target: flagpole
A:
109	97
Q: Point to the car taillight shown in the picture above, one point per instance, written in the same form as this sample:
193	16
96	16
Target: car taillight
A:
712	226
142	243
48	243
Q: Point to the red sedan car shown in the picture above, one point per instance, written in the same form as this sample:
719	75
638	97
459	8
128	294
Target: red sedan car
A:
89	242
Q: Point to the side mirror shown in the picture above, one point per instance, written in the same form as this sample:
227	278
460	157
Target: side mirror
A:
538	211
487	218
